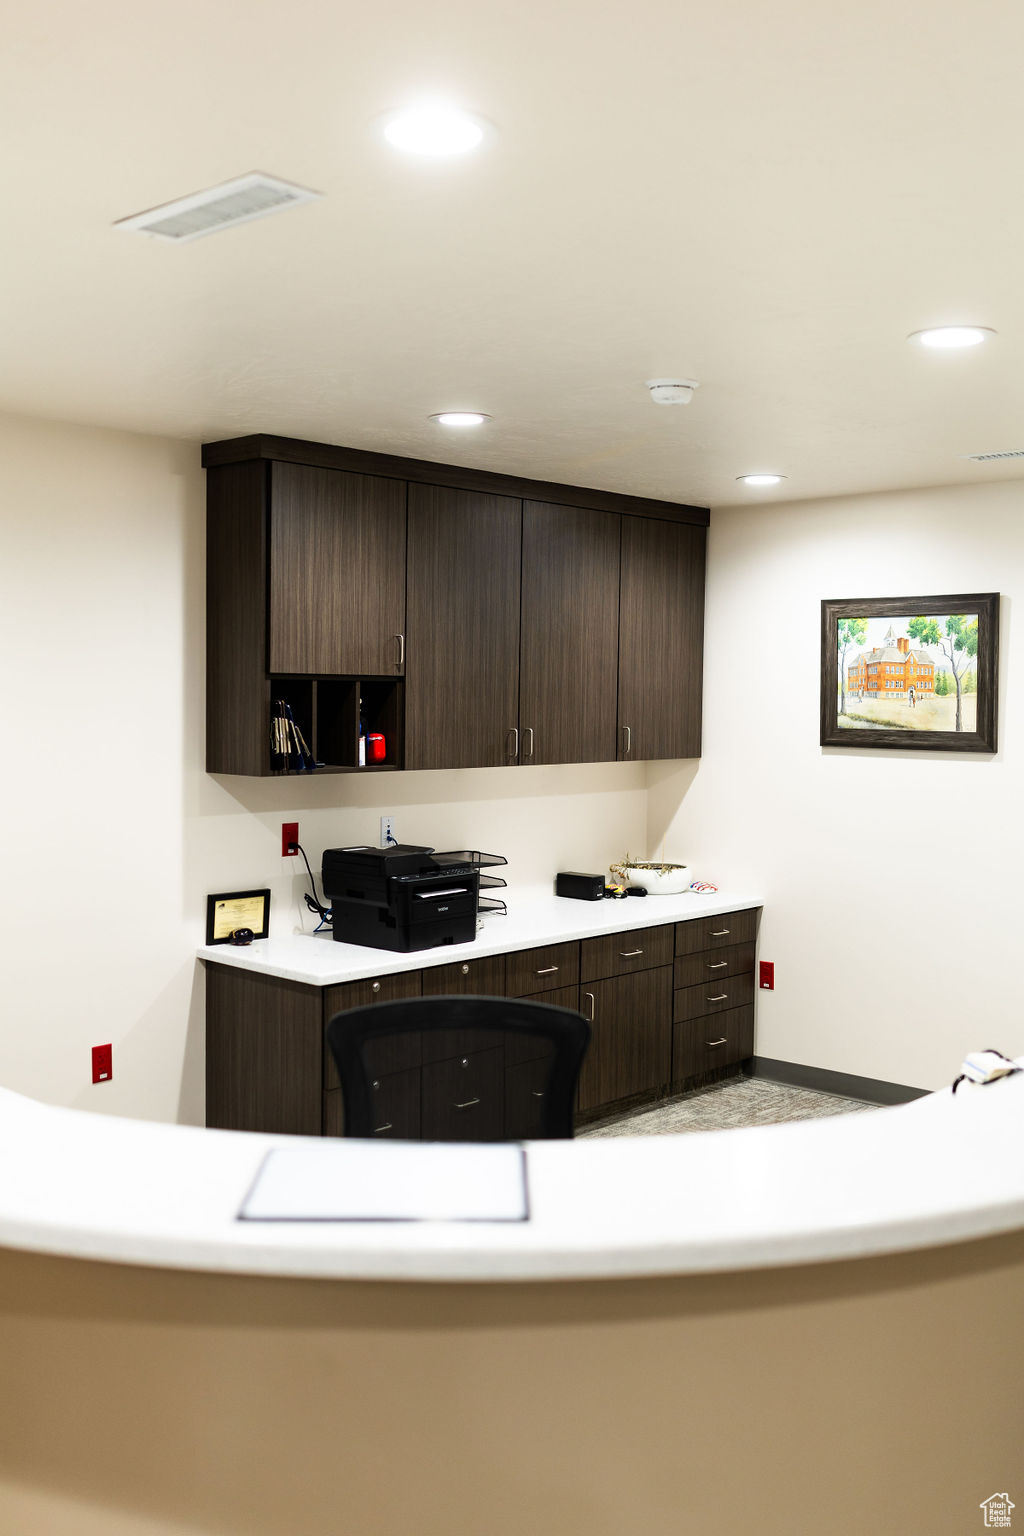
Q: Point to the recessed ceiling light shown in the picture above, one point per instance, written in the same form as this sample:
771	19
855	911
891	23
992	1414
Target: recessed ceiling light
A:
761	479
434	129
460	418
952	338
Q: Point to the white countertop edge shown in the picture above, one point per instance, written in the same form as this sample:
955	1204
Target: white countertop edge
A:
922	1175
536	916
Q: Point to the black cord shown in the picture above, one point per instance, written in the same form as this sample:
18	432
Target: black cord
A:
313	902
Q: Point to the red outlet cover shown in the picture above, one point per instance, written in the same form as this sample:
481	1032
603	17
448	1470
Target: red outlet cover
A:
102	1063
766	975
289	834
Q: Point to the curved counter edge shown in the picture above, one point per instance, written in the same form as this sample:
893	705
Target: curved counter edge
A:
942	1169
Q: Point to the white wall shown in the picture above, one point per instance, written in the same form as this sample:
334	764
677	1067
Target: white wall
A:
891	879
114	835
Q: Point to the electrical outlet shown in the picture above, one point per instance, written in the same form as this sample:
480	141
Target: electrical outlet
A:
766	975
102	1063
289	834
387	832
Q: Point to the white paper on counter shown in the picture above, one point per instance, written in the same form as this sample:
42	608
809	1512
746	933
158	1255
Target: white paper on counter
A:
356	1180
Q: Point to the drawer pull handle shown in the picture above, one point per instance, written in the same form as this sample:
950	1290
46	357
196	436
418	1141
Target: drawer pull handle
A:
720	933
548	970
717	965
375	987
723	997
468	1104
627	954
378	1128
590	1016
723	1041
464	969
537	1095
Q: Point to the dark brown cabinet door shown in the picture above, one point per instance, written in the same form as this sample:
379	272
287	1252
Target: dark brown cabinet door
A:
631	1036
661	638
462	658
337	572
569	649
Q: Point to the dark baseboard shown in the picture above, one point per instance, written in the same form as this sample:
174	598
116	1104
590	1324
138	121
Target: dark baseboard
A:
873	1090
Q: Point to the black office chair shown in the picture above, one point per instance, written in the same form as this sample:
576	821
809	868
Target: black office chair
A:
459	1068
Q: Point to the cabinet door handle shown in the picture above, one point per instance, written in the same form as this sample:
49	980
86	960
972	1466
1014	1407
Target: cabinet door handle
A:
627	954
534	1094
515	745
549	970
593	1007
723	1041
378	1128
464	969
716	965
468	1104
723	997
720	934
629	740
375	986
528	732
401	651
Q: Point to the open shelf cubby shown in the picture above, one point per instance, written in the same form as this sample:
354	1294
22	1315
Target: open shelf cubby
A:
326	711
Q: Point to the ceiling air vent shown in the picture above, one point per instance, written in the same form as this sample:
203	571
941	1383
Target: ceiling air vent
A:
204	213
986	458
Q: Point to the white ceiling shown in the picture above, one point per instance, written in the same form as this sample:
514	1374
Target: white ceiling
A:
765	197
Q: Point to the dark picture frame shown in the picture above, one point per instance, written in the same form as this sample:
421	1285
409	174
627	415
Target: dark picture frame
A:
260	898
981	739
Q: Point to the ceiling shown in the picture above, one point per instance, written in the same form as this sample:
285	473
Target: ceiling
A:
766	198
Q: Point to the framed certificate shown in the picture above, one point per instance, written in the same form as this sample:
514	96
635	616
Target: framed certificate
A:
232	910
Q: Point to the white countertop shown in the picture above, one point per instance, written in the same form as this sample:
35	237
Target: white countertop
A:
535	916
939	1170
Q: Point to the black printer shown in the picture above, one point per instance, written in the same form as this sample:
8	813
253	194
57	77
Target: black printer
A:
400	897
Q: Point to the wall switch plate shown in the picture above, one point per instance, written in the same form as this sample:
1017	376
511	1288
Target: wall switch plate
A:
387	832
102	1063
289	834
766	975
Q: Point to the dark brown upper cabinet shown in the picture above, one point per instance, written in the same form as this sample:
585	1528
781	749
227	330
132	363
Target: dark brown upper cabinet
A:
460	617
569	641
661	639
337	572
462	659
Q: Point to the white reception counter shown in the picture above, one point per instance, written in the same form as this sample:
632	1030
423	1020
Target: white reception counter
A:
942	1169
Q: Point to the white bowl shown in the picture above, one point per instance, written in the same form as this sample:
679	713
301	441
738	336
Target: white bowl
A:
677	878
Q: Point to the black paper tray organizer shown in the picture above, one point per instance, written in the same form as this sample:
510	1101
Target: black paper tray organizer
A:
477	860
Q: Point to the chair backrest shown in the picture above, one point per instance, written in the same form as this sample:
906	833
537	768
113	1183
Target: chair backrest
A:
459	1068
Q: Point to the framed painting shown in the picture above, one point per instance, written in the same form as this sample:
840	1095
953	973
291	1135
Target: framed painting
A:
910	672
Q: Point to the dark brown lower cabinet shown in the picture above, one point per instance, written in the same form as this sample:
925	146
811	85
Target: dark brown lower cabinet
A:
631	1038
463	1099
269	1069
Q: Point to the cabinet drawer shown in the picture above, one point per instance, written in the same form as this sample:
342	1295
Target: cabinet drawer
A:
396	1103
734	960
700	1045
716	932
383	1056
617	954
464	1099
713	997
485	978
541	970
527	1047
526	1091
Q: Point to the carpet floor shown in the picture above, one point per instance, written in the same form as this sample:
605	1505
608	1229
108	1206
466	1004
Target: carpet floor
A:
727	1106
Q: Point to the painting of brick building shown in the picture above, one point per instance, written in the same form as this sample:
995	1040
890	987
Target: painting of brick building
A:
909	673
893	669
